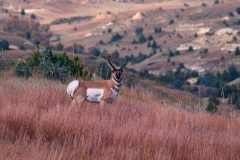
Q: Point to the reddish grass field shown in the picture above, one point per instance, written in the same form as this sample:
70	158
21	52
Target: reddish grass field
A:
35	123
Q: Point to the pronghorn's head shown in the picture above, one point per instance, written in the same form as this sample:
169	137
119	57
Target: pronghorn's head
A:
117	71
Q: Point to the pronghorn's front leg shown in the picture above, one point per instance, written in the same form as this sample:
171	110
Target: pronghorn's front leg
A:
102	103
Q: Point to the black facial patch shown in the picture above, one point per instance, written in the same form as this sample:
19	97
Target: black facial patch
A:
118	74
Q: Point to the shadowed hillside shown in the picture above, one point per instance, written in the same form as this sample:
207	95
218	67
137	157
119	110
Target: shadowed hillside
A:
35	123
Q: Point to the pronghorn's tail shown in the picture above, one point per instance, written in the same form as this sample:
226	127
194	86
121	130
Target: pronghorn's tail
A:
72	87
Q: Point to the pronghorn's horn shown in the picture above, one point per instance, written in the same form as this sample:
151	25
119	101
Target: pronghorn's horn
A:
111	63
124	64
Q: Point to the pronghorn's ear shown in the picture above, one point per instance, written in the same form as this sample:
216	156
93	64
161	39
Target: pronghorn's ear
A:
124	64
111	64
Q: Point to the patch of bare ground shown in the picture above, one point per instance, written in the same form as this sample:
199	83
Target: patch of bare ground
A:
35	123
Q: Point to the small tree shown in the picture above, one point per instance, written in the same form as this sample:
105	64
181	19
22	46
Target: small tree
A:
170	54
195	35
154	45
238	10
205	50
134	41
32	16
234	39
237	51
230	14
204	5
216	2
149	44
150	37
116	37
190	49
139	31
181	65
4	45
109	30
171	22
22	12
157	30
101	42
141	39
168	60
177	52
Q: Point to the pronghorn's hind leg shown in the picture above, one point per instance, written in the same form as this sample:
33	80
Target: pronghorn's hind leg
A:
79	96
80	99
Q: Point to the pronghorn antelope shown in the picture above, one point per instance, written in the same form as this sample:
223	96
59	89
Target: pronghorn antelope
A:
105	91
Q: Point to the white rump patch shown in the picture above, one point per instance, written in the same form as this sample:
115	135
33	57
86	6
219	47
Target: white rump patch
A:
94	94
72	87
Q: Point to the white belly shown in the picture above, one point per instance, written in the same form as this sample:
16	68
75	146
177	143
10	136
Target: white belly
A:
94	94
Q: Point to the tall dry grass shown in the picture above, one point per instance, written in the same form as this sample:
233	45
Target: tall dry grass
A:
35	123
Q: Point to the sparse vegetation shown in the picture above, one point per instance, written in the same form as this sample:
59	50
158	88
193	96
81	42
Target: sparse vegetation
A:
71	19
31	30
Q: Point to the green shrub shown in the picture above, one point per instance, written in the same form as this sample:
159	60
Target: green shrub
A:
211	107
57	66
103	70
4	45
22	69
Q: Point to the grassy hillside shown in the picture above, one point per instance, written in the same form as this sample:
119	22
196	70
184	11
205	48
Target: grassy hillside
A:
35	123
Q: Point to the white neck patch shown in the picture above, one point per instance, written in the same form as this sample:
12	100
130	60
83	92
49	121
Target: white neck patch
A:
114	94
